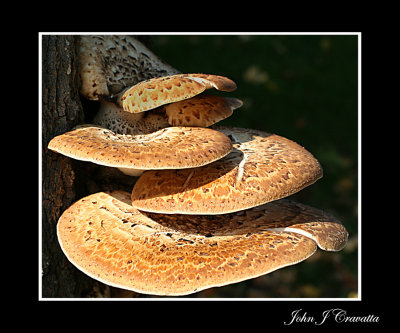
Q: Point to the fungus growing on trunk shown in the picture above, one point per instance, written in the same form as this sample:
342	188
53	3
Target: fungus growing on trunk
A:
108	64
201	110
168	148
158	91
261	168
161	238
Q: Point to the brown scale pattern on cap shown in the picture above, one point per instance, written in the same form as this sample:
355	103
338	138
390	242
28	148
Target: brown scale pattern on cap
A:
110	63
158	91
172	147
202	110
261	168
108	239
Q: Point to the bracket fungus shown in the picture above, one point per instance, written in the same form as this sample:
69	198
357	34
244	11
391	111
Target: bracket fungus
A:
199	111
171	147
109	240
109	68
261	168
158	91
111	63
211	209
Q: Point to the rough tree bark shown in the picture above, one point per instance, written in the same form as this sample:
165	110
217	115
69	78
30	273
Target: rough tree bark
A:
64	180
61	110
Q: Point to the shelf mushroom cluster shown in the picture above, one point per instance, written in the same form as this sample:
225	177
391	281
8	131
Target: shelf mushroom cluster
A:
209	206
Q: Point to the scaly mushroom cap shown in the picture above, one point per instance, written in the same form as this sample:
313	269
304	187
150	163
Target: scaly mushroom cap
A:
261	168
158	91
108	64
202	110
172	147
109	240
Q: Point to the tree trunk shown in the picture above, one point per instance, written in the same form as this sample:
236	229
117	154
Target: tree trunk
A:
63	178
61	110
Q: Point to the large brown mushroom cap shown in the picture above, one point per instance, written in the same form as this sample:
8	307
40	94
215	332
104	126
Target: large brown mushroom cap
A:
172	147
158	91
108	239
261	168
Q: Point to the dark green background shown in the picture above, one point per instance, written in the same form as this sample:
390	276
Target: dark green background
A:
303	87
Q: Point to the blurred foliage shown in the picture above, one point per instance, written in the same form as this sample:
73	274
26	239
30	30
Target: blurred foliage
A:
303	87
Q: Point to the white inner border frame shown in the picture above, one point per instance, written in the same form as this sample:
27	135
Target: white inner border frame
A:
40	34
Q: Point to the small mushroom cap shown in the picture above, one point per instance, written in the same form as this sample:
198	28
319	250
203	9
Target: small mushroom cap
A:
202	110
261	168
158	91
172	147
109	240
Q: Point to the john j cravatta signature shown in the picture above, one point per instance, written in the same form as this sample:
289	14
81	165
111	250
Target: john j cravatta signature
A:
338	315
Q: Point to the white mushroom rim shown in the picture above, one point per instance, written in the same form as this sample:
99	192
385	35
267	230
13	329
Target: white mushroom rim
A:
306	234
